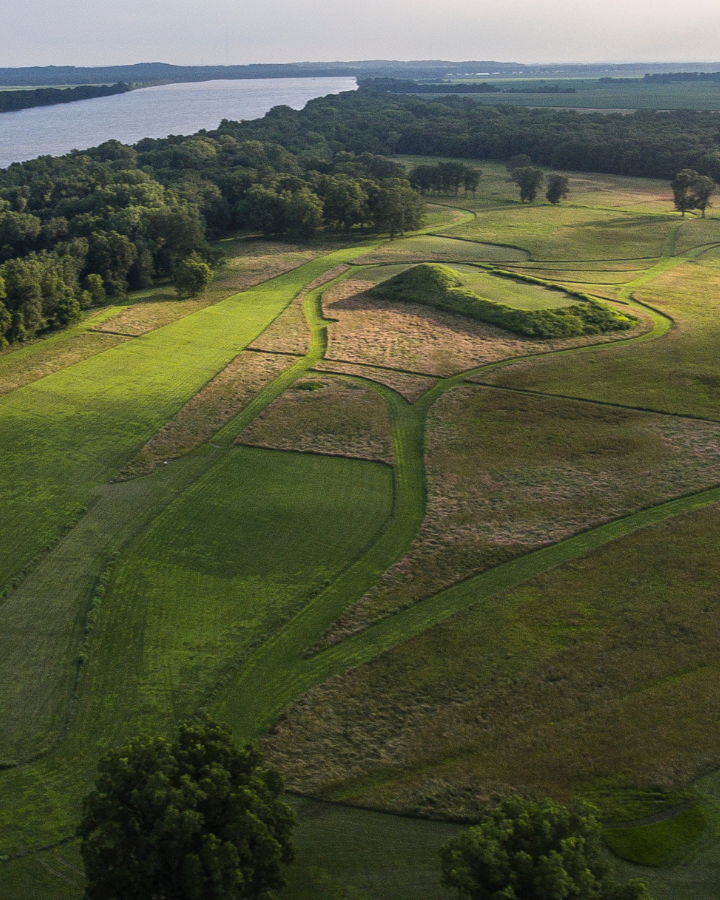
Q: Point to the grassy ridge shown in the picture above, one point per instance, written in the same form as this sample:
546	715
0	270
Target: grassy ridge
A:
441	287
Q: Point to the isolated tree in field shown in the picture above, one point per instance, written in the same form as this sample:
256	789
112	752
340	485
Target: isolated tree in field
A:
683	186
471	179
519	161
558	187
529	180
702	190
525	850
192	276
194	820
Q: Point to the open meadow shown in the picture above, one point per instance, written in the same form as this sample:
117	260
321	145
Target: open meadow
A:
425	555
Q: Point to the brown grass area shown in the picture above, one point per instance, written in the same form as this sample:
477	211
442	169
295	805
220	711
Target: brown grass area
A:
509	473
210	409
409	386
325	415
248	264
289	333
44	361
423	340
598	678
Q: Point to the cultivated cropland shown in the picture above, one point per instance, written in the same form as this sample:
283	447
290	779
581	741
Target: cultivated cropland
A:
434	520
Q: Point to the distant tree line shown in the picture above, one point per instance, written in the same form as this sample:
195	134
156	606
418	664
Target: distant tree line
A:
92	225
11	101
674	77
646	143
401	86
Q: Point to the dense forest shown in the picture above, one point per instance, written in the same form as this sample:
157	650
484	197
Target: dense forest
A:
93	224
78	229
646	143
10	101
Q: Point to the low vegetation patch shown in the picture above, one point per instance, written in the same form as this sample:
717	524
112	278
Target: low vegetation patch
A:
658	842
435	285
411	387
419	339
445	249
604	665
508	473
332	416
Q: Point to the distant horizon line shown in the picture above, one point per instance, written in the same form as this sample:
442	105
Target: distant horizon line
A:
376	61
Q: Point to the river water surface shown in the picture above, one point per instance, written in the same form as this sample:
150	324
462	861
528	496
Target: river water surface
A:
152	112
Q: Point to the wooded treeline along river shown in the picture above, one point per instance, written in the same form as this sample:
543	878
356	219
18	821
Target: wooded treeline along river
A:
152	112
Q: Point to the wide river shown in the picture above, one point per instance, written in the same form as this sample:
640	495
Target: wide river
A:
152	112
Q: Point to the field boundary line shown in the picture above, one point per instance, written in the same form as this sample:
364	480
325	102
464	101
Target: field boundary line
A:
543	394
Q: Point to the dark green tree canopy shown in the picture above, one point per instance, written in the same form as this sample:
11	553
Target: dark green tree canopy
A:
525	850
197	819
683	185
529	180
702	190
192	276
558	187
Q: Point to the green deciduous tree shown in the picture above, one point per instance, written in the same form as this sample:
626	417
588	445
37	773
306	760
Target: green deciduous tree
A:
529	180
702	190
471	179
558	187
395	207
192	276
525	850
682	186
194	820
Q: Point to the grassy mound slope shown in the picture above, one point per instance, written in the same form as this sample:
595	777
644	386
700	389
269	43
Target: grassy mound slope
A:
442	287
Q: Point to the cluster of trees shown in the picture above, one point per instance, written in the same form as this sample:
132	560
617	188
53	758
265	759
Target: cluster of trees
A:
95	224
199	819
530	180
525	850
692	191
10	101
445	178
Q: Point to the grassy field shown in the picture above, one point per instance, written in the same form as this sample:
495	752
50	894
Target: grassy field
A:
591	94
518	594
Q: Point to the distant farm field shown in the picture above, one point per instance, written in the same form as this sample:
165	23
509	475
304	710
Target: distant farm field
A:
592	94
426	562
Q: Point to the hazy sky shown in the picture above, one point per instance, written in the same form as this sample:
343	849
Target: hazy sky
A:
95	32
